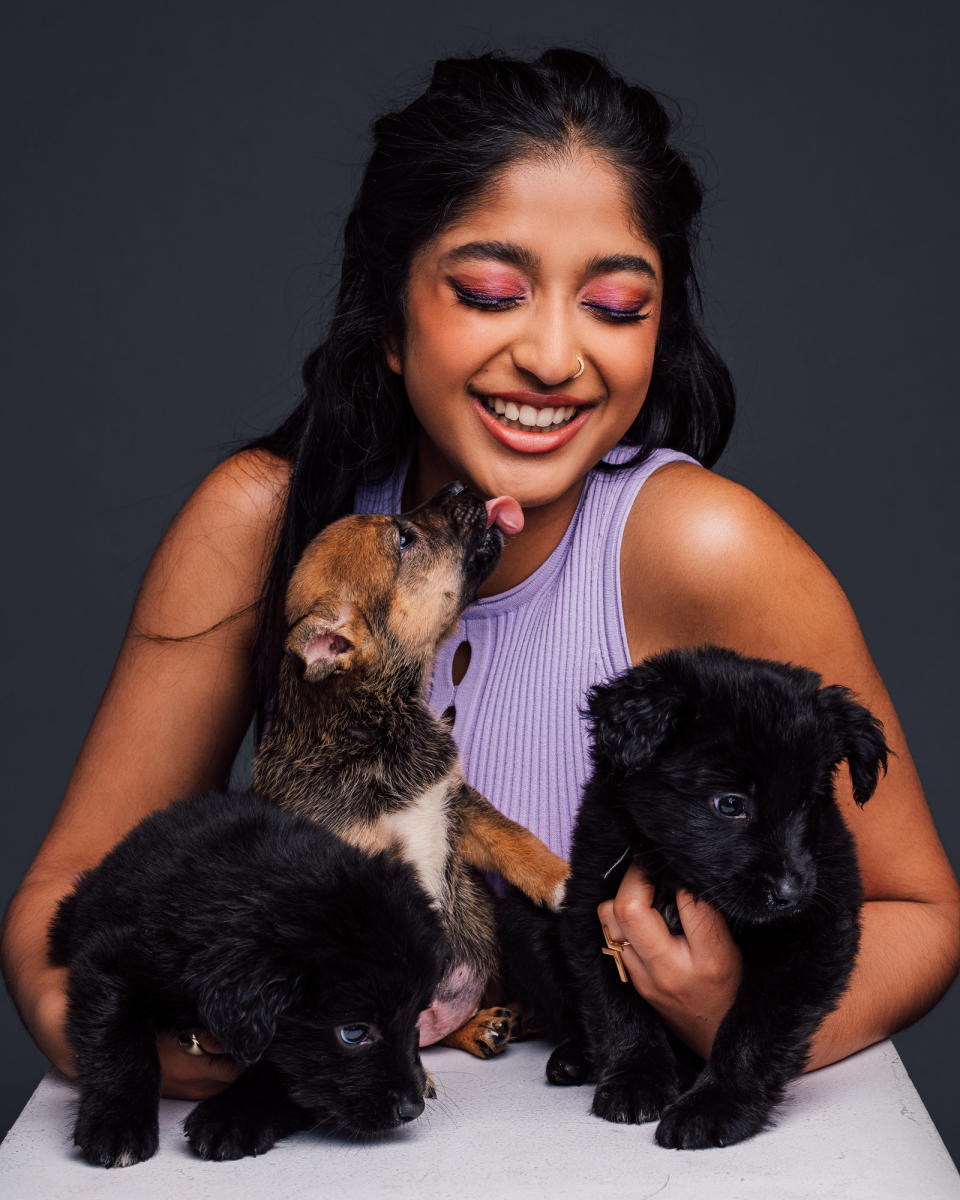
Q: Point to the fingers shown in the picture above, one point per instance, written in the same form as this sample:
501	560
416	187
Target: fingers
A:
631	918
706	931
714	955
630	915
194	1076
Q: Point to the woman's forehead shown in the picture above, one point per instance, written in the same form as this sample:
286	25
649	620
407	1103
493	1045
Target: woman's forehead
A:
572	210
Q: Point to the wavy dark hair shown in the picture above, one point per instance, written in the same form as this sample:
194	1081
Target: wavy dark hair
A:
430	162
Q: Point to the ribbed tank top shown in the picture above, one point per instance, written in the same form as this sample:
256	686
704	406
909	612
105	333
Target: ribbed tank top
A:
535	650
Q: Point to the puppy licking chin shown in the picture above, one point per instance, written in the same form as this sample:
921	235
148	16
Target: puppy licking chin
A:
455	1003
506	514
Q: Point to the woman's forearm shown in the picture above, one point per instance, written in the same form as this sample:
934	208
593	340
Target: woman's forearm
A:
38	988
909	955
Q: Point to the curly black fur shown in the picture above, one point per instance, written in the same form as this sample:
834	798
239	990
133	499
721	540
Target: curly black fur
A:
225	914
715	773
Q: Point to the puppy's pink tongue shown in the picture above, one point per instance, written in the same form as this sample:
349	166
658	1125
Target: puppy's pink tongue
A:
505	513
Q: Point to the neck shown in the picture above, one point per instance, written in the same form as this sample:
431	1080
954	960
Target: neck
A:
543	524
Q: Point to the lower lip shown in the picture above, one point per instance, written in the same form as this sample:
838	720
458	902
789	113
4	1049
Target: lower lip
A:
531	443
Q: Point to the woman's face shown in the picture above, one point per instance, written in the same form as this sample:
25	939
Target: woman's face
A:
548	268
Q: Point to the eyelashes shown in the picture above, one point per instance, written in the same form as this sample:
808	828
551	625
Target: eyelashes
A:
619	316
487	302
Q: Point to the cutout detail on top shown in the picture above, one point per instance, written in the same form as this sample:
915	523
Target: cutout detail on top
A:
461	661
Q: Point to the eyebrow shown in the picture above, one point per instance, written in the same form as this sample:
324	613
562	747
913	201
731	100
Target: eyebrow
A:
525	260
608	263
505	252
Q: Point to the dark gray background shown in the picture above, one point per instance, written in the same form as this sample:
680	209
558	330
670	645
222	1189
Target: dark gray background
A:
175	177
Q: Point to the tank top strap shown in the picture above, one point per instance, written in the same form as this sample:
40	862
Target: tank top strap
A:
596	550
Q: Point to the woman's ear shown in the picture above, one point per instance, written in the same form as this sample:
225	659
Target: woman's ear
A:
391	349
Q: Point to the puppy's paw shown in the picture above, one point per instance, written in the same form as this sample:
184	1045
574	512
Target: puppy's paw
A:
484	1035
558	895
111	1139
631	1096
710	1116
567	1066
218	1134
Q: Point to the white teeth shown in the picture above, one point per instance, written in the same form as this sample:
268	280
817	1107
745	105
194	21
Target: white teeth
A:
527	416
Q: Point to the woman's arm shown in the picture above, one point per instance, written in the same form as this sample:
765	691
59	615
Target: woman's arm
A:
705	561
170	722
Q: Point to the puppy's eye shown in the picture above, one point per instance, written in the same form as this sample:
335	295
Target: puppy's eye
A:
406	536
729	806
354	1035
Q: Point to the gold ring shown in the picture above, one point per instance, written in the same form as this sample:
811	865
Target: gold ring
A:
190	1044
614	948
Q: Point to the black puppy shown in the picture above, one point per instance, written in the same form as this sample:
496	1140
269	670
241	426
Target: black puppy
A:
715	773
299	953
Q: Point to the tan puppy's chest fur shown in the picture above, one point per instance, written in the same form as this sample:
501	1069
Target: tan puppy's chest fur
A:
419	833
353	744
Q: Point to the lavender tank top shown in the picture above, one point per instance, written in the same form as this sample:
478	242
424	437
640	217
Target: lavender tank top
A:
535	651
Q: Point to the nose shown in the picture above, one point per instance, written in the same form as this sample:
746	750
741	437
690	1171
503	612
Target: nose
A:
787	890
408	1109
546	349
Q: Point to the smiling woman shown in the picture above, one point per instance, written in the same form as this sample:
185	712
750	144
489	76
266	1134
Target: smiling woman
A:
517	309
545	278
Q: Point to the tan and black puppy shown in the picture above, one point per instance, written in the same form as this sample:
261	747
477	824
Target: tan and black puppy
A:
354	745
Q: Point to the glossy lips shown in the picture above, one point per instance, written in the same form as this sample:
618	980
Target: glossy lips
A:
540	442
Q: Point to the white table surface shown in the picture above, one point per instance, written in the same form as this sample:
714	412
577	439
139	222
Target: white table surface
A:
497	1131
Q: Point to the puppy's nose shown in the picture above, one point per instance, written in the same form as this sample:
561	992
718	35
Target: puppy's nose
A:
408	1109
786	891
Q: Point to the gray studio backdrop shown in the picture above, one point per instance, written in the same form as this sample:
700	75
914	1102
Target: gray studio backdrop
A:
175	177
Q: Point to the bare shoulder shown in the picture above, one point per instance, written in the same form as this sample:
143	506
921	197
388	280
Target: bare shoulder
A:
214	556
246	491
704	559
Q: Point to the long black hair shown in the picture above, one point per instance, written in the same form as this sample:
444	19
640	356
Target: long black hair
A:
430	161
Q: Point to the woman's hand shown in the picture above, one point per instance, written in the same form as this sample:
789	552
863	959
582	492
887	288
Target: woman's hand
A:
691	979
188	1076
184	1076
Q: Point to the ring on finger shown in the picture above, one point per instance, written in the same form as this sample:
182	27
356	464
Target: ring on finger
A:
189	1043
614	949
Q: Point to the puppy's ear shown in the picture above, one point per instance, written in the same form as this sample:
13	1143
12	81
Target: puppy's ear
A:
240	1003
325	643
859	737
632	716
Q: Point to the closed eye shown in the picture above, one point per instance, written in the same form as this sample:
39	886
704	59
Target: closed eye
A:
618	316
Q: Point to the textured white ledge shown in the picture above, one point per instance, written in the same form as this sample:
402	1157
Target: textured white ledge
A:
499	1132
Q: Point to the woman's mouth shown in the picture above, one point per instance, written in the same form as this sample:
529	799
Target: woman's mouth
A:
530	428
525	416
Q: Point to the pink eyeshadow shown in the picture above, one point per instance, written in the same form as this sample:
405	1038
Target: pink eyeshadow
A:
493	283
616	297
